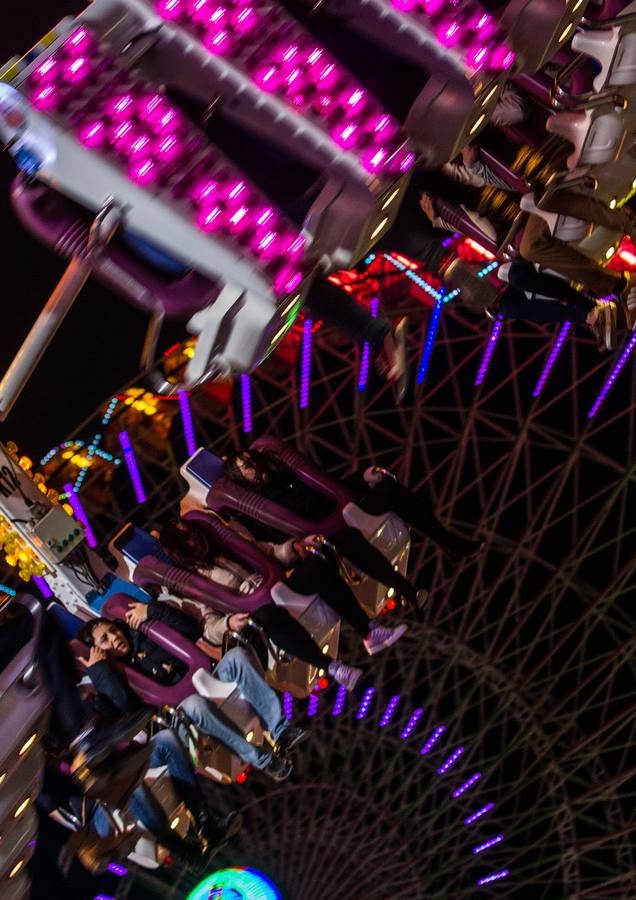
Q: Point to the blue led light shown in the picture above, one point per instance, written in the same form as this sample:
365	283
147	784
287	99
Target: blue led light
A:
552	358
450	762
497	839
431	334
496	876
493	338
466	786
339	702
7	590
412	722
312	706
246	400
479	814
367	699
186	421
613	375
434	738
366	351
288	706
389	712
305	364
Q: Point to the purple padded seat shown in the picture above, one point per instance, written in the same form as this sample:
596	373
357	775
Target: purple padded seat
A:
24	713
63	226
153	572
212	759
459	220
225	494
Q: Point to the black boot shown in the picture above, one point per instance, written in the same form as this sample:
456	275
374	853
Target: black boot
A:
215	831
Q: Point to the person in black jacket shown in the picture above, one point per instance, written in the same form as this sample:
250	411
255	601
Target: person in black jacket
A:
109	641
376	492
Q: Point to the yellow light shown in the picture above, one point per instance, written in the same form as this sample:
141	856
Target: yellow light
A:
609	253
28	744
321	673
12	447
634	184
249	737
25	463
3	775
612	203
14	871
189	352
478	123
21	807
566	31
390	198
390	593
42	487
325	649
67	454
174	823
490	93
288	306
378	228
281	331
576	6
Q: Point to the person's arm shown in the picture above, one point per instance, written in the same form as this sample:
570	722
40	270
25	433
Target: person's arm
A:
157	611
110	684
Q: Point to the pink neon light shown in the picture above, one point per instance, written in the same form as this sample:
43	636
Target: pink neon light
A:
298	71
140	130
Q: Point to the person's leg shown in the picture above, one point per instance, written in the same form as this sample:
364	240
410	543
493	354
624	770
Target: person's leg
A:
336	307
202	714
523	276
315	575
589	209
68	711
145	807
514	304
415	508
351	543
289	635
540	247
237	666
168	750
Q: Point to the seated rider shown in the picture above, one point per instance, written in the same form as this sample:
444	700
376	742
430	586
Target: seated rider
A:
110	641
310	572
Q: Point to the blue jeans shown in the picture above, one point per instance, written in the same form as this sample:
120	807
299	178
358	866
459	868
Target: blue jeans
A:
167	750
237	666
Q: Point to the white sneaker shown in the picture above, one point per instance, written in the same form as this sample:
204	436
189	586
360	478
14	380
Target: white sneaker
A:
347	676
380	637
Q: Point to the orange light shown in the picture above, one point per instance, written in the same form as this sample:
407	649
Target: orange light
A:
478	248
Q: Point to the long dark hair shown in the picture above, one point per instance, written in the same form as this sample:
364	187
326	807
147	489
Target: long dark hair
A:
264	466
189	545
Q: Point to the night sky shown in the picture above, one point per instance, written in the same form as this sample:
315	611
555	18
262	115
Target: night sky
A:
98	346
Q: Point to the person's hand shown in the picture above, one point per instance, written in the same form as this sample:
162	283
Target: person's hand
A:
137	614
428	207
96	655
301	549
237	621
470	154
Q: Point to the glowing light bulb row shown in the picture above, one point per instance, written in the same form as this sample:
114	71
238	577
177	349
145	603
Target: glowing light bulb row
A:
466	28
17	553
389	712
282	59
141	131
434	738
365	703
450	762
340	701
412	722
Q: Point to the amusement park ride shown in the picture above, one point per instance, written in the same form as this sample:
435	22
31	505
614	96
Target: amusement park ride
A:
143	133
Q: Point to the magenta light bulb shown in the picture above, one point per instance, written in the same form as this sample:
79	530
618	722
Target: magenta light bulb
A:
144	171
265	217
218	41
408	160
448	32
204	191
502	58
200	11
268	78
244	20
46	97
239	220
295	246
293	75
477	57
46	72
218	16
287	280
286	53
266	244
78	43
323	104
169	148
171	9
211	218
122	137
405	5
353	100
382	125
77	70
151	107
346	135
328	76
93	134
140	145
315	56
432	6
120	106
372	159
236	191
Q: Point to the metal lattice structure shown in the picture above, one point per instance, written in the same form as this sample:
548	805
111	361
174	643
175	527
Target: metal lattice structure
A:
526	657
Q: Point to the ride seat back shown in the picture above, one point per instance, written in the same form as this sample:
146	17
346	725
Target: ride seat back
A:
322	623
598	135
613	47
391	537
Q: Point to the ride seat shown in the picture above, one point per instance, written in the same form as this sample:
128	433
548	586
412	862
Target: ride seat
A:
598	135
613	46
